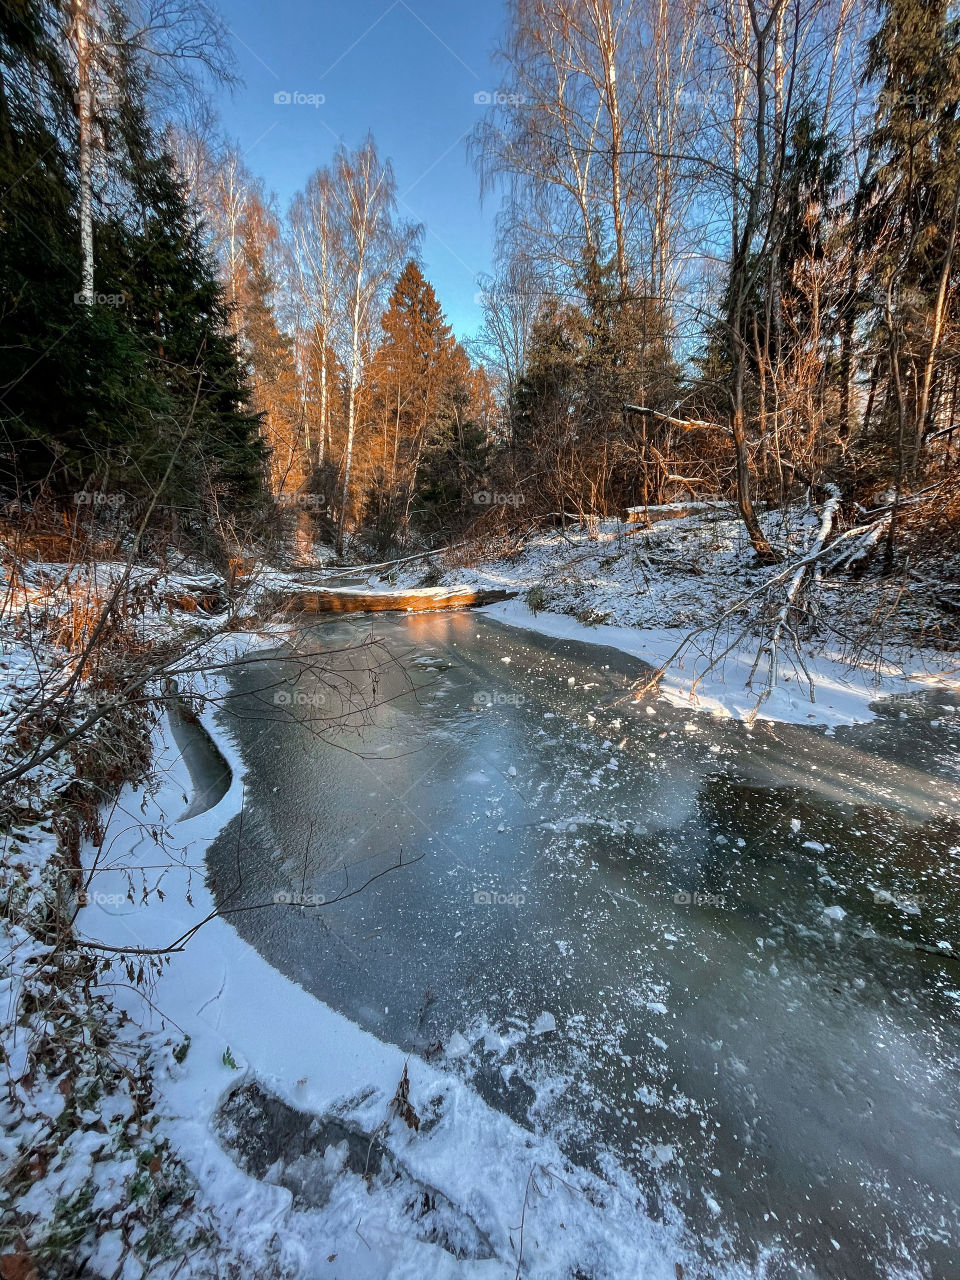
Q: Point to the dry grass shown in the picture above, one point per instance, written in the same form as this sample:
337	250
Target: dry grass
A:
46	532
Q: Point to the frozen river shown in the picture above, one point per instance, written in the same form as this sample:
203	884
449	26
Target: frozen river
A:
727	960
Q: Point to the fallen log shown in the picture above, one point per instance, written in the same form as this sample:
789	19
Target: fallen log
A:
655	513
403	600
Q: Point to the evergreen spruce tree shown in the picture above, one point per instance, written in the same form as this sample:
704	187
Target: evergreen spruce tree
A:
64	368
912	207
409	374
109	392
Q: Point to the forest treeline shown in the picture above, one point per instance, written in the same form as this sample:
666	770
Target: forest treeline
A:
728	246
725	266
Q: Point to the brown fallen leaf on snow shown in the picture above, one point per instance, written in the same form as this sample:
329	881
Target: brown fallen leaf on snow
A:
401	1103
17	1266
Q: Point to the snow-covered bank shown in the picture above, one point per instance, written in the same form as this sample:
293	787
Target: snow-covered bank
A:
647	590
244	1020
844	695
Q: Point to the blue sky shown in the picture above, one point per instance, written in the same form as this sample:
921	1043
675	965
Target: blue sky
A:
406	69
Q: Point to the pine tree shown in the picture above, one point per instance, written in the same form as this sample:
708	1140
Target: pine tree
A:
408	375
64	369
269	352
456	450
178	311
111	391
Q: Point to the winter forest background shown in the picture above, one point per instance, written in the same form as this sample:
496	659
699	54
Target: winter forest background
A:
725	266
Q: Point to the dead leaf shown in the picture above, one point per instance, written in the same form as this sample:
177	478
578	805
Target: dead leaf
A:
17	1266
402	1105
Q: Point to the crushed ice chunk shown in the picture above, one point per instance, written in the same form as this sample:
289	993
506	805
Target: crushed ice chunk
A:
457	1046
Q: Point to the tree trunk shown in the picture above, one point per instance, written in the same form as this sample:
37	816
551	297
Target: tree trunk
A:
758	538
85	117
923	409
347	464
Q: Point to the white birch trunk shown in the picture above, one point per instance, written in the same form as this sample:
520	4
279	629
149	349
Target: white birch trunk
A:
81	38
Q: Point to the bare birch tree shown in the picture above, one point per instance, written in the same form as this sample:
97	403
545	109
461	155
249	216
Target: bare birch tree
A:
175	43
369	245
314	264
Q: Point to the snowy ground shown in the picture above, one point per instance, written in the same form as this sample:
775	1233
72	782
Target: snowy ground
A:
115	1078
647	590
117	1068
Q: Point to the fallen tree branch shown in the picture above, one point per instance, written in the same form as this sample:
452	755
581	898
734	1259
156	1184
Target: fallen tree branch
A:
919	496
853	555
180	943
816	556
827	518
364	570
944	431
688	424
